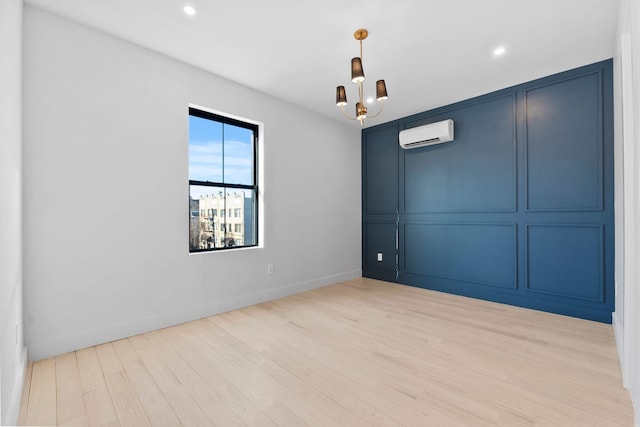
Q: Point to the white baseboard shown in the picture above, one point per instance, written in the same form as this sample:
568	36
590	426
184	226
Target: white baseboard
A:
60	345
635	400
11	416
618	335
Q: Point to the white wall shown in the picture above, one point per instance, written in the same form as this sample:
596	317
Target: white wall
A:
106	194
12	354
626	318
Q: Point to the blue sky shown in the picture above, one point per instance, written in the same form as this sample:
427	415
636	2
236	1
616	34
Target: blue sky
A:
205	152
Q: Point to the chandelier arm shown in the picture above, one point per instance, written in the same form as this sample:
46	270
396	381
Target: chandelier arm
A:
345	114
379	111
357	76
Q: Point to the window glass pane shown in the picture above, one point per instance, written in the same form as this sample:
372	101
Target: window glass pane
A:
205	150
210	231
238	155
204	229
241	229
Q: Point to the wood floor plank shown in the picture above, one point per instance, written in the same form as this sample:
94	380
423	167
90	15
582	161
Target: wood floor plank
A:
97	401
89	367
123	394
305	400
359	353
42	399
99	407
70	398
155	404
193	351
185	408
109	361
212	404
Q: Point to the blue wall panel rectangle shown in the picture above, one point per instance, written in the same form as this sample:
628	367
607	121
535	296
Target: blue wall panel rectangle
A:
381	170
473	173
564	144
517	209
458	252
566	260
381	239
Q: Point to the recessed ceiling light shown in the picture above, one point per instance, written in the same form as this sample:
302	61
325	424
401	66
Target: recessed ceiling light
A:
189	10
369	100
499	51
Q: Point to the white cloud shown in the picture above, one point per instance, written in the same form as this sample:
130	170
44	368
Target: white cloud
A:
205	161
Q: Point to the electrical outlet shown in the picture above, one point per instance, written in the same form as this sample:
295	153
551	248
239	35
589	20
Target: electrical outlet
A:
269	268
379	256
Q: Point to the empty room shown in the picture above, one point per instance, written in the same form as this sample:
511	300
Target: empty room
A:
336	213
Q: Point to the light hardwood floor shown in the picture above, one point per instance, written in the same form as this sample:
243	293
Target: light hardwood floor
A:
360	353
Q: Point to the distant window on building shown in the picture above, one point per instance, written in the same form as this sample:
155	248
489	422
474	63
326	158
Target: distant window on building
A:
222	174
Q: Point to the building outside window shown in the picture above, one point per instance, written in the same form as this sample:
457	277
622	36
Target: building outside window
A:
222	179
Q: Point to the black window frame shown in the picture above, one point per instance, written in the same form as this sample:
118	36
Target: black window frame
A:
196	112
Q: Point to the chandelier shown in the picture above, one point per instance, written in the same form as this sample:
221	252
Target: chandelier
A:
357	77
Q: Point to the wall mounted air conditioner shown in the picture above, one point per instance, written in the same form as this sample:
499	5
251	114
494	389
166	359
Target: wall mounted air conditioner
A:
422	136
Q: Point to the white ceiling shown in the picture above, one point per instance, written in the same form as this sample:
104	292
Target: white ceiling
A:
430	53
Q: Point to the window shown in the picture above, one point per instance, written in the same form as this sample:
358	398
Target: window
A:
222	176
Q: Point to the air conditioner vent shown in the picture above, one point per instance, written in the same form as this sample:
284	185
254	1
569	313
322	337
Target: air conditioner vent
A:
431	134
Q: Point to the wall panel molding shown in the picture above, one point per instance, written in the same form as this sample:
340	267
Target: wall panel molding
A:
381	237
453	251
568	260
564	186
452	177
380	170
517	209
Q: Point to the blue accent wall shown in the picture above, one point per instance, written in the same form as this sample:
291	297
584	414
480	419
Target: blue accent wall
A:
517	209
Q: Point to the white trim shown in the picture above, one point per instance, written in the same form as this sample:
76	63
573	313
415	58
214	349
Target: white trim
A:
48	348
260	176
618	333
11	415
635	401
629	200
